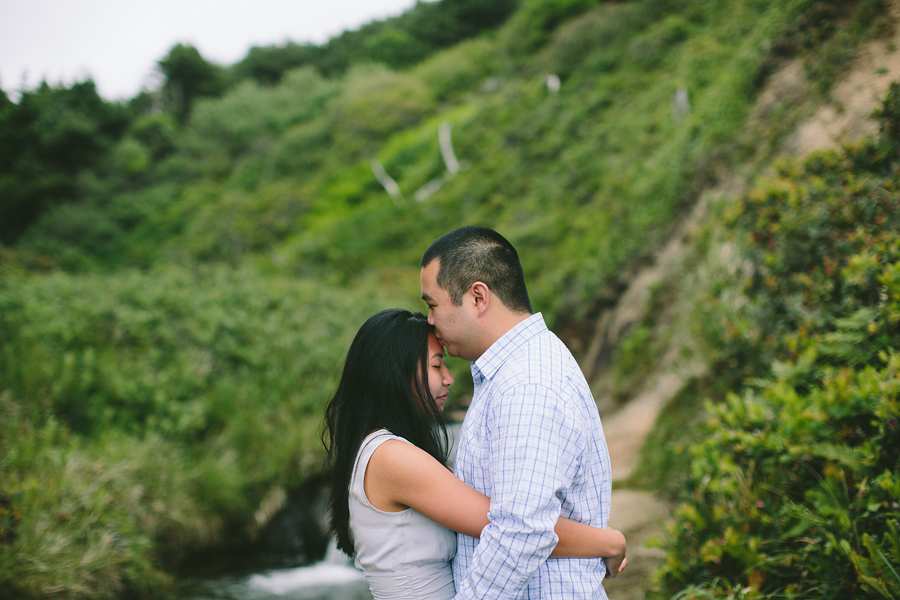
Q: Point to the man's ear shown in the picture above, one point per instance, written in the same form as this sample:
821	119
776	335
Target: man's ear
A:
481	293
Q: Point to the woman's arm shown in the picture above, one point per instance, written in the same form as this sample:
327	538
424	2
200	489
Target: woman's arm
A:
400	476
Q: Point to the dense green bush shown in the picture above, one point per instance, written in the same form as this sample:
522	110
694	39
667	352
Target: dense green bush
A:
460	69
146	414
795	490
531	26
250	114
174	350
593	40
397	42
47	139
375	103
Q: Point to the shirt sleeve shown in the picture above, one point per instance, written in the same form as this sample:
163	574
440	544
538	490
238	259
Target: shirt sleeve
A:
534	447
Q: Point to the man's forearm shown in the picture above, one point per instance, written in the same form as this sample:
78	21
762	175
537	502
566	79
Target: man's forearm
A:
505	559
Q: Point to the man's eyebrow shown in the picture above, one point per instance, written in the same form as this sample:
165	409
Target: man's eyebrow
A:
426	297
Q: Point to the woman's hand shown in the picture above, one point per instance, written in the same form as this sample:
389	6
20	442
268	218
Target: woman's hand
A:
615	564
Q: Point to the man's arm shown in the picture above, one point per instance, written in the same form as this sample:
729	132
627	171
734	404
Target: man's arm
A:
534	448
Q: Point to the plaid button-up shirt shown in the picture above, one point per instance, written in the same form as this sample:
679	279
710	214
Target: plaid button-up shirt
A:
532	441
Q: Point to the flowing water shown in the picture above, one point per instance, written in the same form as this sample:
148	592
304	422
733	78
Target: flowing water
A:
334	578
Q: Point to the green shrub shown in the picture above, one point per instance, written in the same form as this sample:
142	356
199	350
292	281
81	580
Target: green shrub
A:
793	491
593	39
394	47
250	112
531	25
460	69
146	414
375	103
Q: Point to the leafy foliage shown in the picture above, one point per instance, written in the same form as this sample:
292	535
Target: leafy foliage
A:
533	23
46	141
374	104
189	76
794	490
460	69
398	42
145	415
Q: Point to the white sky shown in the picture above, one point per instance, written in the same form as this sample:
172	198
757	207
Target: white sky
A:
117	42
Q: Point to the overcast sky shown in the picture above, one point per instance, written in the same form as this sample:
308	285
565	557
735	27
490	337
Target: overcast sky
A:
117	42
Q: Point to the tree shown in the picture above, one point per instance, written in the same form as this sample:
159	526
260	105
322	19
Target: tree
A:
46	140
445	23
395	48
267	64
188	76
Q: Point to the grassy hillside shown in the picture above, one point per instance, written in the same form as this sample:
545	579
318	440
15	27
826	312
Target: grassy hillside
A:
169	336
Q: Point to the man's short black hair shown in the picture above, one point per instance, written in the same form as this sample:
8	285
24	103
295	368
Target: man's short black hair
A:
474	253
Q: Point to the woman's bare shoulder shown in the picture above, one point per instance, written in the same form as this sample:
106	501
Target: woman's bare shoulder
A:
399	452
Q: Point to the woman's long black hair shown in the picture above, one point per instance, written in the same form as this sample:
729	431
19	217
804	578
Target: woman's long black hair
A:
384	377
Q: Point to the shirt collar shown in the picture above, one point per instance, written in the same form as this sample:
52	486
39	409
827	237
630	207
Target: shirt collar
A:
487	365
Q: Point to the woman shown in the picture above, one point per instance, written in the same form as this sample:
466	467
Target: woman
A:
394	504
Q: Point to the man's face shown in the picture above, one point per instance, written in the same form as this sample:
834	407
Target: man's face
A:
453	325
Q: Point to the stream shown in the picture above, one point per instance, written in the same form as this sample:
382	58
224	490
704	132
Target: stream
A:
333	578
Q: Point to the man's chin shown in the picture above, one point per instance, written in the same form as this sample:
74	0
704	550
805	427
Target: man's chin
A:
450	350
454	352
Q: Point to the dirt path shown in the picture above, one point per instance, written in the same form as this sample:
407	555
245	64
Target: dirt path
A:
860	90
640	515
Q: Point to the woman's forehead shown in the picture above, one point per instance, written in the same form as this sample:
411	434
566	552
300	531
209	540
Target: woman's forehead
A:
434	347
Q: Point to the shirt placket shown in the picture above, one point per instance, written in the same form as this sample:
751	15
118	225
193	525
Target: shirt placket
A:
471	442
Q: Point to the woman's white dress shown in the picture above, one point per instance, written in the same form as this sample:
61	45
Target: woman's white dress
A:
404	555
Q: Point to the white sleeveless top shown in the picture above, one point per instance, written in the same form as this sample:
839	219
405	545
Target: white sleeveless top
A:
404	555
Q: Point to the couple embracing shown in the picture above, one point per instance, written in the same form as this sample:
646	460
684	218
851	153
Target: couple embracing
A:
529	496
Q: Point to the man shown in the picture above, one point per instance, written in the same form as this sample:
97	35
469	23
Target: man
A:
532	439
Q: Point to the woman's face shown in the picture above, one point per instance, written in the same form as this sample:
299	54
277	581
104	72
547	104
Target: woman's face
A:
439	377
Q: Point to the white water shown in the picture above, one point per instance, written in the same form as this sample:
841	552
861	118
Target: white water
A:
334	578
